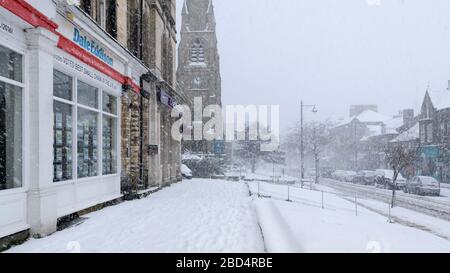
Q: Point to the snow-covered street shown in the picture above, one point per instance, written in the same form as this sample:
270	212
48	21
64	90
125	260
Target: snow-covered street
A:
192	216
303	225
435	206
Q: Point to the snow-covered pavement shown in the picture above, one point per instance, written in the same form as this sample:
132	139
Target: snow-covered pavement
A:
218	216
192	216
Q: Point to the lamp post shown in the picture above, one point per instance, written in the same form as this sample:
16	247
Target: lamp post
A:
302	148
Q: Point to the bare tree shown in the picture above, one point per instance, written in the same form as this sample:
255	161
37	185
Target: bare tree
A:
399	157
316	138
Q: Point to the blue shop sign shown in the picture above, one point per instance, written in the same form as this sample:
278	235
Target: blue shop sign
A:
430	151
92	47
219	147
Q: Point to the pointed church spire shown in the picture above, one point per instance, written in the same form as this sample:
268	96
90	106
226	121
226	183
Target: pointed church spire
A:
203	18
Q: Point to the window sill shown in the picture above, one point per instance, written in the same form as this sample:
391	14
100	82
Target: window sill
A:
83	180
13	191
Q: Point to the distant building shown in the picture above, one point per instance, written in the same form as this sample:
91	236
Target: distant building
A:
359	141
360	108
435	134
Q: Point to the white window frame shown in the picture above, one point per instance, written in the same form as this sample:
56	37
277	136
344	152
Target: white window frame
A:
99	111
20	48
101	13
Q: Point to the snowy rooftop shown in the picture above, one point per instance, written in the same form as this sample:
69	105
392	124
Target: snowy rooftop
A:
440	99
367	116
411	134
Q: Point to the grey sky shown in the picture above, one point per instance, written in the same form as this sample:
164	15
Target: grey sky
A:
332	53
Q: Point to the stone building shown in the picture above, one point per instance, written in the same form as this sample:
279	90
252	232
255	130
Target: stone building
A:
198	72
86	92
150	157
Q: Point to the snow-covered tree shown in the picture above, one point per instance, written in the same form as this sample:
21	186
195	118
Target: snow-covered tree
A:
399	157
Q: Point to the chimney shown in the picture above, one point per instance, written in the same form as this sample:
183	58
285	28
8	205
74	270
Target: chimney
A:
408	116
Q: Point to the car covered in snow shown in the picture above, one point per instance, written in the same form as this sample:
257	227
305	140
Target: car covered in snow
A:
365	178
186	172
384	179
344	176
423	185
310	173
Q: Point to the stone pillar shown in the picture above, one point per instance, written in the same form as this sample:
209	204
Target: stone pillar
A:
42	200
125	137
135	139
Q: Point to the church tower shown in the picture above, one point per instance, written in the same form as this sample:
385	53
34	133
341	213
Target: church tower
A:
198	71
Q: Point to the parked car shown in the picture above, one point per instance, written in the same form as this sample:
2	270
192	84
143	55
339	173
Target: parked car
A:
344	176
423	185
338	175
365	178
186	172
310	173
349	176
326	172
384	180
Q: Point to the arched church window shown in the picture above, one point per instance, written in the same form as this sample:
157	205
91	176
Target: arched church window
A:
197	52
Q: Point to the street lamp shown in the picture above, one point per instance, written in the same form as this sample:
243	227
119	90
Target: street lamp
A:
302	148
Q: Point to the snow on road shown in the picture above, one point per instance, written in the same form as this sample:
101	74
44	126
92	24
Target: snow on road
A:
335	228
193	216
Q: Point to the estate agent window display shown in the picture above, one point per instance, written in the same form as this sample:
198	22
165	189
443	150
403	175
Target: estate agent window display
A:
11	89
85	129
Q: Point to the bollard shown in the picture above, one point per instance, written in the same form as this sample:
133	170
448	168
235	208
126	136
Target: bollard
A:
289	194
323	206
389	214
356	205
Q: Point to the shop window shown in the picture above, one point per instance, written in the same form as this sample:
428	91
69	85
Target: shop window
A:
95	130
10	64
62	127
10	119
62	143
87	143
10	136
87	95
62	86
109	103
109	145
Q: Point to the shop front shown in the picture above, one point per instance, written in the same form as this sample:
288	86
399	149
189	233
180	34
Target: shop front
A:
429	161
61	82
13	115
